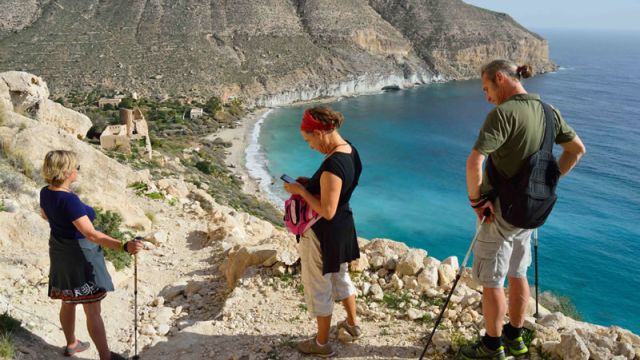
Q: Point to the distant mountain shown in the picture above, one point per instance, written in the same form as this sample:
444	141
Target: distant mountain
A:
267	52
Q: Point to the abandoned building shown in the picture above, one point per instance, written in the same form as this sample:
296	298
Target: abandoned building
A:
133	127
195	112
106	101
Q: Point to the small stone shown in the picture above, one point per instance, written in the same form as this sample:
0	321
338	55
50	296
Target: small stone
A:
163	329
159	301
415	314
376	292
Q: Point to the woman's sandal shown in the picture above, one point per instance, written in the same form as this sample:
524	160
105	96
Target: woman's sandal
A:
80	346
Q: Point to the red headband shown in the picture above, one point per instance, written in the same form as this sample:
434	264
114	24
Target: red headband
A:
309	123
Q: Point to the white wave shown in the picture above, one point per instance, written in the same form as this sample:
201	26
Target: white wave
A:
256	162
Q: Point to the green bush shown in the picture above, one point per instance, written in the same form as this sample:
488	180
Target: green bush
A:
213	105
7	326
155	195
205	166
127	103
393	301
7	348
109	223
139	187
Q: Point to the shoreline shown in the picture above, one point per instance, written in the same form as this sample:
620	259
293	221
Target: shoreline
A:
240	138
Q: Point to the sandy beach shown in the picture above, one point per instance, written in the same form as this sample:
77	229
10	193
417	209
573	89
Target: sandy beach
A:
236	159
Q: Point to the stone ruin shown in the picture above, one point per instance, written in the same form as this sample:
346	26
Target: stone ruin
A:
134	127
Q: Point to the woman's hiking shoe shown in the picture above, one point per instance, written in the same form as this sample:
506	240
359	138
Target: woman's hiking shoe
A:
80	346
354	330
516	346
480	351
311	347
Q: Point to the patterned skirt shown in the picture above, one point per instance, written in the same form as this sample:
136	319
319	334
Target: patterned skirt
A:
78	273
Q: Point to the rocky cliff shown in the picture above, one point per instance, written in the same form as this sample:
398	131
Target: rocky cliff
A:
268	52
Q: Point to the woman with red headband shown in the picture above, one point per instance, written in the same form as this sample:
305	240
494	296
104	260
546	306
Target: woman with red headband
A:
331	243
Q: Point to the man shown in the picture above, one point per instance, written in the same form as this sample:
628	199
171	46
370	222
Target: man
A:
511	133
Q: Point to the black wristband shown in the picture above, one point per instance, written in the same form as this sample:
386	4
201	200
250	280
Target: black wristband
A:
124	247
480	204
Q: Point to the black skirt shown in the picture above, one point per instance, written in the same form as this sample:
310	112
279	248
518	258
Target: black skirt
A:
78	273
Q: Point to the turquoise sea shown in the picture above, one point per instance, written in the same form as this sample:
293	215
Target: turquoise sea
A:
414	145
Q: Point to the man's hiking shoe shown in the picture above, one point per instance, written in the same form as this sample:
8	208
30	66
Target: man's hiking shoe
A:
354	331
80	346
311	347
516	347
480	351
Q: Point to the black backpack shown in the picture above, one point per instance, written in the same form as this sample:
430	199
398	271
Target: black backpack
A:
526	199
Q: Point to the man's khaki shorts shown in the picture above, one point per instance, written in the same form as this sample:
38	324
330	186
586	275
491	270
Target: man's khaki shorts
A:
501	250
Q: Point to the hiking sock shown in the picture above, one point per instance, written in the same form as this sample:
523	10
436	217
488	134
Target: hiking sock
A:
491	342
512	332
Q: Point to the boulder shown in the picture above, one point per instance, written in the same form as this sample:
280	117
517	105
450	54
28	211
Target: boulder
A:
446	274
572	347
376	292
240	258
411	262
554	320
428	278
29	94
453	262
361	264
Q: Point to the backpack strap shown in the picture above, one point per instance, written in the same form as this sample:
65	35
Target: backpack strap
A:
549	128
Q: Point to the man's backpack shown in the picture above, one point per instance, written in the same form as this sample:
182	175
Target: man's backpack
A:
526	199
298	215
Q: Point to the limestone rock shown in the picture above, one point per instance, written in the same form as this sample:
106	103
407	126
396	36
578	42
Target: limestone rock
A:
446	274
453	262
428	278
29	94
173	290
573	347
157	237
376	292
411	262
555	320
361	264
415	314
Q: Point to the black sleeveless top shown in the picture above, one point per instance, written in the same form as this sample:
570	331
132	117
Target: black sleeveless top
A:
338	239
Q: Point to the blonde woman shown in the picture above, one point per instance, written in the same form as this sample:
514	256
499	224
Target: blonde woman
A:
77	274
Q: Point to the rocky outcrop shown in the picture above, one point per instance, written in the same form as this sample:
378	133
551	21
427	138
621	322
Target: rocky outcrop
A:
267	52
28	94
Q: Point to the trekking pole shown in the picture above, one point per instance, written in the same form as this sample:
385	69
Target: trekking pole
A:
135	303
455	282
535	257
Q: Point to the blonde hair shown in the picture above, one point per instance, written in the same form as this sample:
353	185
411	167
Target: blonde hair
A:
58	165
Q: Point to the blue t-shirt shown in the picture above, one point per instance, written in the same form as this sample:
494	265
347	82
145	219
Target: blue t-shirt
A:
62	208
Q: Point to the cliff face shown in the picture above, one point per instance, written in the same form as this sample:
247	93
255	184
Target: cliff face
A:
266	51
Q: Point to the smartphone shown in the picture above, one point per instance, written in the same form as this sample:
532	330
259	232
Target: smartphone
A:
288	179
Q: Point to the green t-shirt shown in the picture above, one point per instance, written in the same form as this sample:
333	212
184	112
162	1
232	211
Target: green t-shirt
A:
513	131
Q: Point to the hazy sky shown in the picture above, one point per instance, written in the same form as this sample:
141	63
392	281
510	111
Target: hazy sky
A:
574	14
